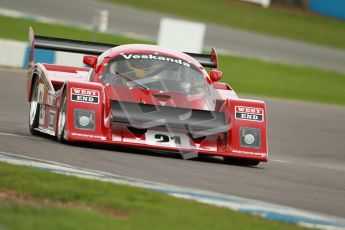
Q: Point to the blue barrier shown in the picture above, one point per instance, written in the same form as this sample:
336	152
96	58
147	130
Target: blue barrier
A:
42	56
333	8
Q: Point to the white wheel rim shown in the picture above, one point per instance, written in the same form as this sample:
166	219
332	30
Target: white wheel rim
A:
61	123
33	110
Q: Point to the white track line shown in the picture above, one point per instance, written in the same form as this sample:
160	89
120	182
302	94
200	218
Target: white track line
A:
282	161
21	136
271	160
12	69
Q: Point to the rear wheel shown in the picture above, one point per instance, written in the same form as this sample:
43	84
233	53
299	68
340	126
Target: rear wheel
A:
62	120
242	162
34	109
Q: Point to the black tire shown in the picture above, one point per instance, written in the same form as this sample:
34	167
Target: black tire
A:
34	110
241	162
61	126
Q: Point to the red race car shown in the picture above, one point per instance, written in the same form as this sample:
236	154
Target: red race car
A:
144	96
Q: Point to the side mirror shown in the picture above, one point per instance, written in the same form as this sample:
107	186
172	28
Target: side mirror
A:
215	75
90	61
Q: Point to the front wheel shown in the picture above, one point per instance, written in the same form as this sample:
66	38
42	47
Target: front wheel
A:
62	120
242	162
34	109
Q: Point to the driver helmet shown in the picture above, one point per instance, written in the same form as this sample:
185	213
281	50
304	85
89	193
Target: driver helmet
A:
139	67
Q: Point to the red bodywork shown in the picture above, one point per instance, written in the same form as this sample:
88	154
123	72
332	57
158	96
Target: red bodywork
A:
54	80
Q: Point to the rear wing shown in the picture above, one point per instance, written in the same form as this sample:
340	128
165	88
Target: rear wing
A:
95	48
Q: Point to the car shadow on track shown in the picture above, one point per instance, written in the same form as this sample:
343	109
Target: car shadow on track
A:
155	153
147	152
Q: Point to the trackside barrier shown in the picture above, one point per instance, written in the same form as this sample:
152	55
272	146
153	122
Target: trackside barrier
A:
333	8
16	54
12	53
173	33
263	3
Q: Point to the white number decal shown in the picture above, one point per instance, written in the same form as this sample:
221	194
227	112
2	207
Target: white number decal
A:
167	139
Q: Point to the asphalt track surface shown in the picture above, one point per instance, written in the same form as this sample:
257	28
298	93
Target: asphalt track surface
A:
306	168
143	23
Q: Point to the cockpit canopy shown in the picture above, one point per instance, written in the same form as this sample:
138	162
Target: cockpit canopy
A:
155	72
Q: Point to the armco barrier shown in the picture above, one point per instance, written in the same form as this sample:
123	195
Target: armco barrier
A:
12	53
16	54
333	8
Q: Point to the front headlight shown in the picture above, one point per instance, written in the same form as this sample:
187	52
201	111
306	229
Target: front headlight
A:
84	119
250	137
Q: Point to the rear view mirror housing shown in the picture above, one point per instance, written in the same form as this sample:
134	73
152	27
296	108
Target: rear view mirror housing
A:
90	61
215	75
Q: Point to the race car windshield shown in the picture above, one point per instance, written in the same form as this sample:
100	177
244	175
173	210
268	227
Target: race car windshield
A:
153	72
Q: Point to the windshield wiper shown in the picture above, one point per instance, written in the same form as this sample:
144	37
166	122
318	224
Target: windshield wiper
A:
132	80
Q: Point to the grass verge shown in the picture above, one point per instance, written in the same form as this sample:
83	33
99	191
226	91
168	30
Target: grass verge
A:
279	22
256	77
18	28
35	199
248	76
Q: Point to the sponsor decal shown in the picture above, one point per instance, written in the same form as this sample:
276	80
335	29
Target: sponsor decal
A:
42	115
249	153
155	57
249	113
41	91
51	120
88	136
167	139
51	98
85	95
